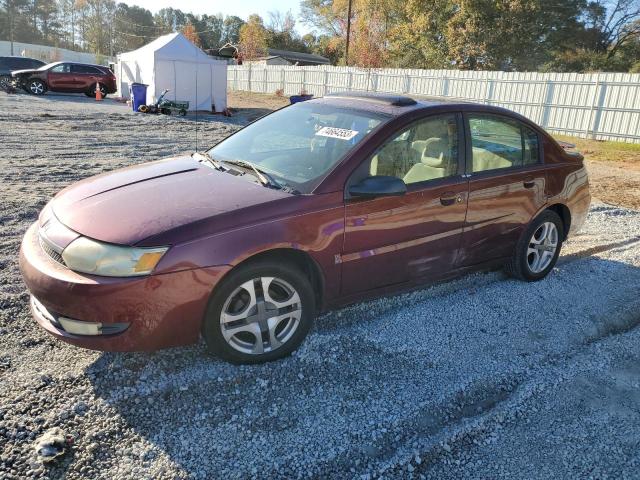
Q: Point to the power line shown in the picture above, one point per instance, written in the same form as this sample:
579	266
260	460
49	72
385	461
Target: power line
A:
139	25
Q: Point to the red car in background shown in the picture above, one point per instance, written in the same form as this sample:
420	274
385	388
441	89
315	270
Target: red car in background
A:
66	77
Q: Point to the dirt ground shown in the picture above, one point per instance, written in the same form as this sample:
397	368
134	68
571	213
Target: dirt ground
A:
614	170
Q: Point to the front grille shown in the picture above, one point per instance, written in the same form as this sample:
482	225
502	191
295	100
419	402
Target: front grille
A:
51	252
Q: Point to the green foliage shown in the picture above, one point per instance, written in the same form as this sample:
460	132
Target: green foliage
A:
512	35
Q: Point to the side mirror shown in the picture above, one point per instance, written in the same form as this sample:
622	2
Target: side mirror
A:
378	186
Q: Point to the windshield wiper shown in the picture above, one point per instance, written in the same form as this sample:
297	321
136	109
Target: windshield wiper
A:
265	179
205	157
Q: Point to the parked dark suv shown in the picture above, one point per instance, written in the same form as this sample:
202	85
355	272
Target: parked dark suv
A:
67	77
8	64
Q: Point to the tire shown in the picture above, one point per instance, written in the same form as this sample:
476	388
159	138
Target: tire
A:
183	113
227	330
538	249
92	91
35	86
5	81
165	111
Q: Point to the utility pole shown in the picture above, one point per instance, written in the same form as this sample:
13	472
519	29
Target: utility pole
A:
346	53
11	10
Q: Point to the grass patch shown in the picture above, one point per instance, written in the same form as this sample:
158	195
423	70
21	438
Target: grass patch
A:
604	151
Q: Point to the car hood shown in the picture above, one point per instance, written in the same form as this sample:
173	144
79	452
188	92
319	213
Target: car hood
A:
22	72
132	204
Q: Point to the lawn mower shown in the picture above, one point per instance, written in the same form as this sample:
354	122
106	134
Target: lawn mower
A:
165	107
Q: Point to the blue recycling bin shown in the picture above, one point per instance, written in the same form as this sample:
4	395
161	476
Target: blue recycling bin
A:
138	95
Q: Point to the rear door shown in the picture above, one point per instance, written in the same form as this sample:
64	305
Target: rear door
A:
60	78
399	239
506	185
85	77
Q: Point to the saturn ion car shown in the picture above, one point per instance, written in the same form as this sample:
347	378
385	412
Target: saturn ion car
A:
317	205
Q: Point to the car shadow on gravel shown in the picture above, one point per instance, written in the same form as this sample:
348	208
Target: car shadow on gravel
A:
372	381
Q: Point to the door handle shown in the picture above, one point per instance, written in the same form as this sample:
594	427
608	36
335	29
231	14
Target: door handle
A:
449	198
529	183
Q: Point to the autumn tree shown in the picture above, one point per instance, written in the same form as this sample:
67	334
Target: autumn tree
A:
189	31
253	38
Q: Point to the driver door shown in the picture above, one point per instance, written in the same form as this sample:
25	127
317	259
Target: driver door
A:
60	78
392	240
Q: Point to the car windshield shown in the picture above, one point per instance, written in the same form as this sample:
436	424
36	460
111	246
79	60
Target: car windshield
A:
299	145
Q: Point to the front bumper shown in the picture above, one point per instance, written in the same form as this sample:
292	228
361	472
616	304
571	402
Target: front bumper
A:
161	310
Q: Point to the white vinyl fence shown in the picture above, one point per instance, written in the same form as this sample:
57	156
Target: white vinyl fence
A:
603	106
50	54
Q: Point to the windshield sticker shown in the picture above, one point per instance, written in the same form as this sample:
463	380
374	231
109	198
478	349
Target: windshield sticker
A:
333	132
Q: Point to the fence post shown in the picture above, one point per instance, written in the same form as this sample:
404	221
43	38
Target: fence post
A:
548	96
350	84
445	86
282	79
304	81
593	105
266	74
326	80
407	84
488	91
249	78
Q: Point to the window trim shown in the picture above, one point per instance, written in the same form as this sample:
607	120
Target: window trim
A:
355	176
499	171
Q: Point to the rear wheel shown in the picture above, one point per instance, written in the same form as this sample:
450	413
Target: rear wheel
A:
36	86
260	312
538	249
92	91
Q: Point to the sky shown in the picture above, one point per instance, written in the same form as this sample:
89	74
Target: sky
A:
240	8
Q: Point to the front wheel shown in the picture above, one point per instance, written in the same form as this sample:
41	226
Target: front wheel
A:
5	82
538	249
260	312
36	86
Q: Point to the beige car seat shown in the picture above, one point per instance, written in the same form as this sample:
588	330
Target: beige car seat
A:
487	160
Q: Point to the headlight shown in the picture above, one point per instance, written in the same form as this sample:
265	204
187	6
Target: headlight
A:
88	256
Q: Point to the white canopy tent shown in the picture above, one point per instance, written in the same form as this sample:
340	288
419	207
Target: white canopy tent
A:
173	62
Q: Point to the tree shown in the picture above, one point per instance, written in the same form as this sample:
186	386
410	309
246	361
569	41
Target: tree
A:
231	29
189	31
253	38
13	16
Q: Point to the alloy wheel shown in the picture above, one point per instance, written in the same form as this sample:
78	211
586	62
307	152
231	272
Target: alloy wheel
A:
261	315
542	247
37	88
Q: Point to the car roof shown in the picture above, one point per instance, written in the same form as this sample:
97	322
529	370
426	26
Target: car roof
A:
79	63
21	58
395	105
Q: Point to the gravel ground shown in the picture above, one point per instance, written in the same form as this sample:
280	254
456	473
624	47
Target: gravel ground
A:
483	377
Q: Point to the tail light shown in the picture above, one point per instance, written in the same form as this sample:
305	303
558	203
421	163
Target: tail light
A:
570	149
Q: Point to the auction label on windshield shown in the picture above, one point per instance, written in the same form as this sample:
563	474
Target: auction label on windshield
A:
333	132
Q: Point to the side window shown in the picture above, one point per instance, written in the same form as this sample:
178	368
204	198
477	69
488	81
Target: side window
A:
62	68
427	150
498	143
86	69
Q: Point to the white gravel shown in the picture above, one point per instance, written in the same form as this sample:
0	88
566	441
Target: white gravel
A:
483	377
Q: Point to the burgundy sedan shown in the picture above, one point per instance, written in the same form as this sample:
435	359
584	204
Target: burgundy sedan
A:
318	205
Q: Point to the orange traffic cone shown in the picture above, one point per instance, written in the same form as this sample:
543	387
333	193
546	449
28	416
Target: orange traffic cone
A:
98	92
